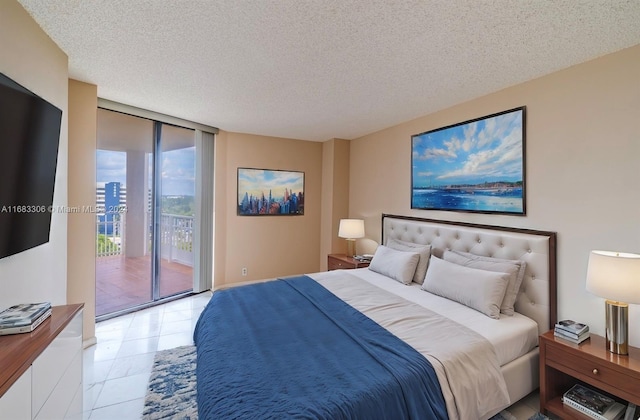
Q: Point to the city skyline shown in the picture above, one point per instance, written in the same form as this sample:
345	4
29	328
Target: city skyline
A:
264	191
178	170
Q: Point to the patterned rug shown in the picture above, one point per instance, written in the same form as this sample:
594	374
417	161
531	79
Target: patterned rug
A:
172	388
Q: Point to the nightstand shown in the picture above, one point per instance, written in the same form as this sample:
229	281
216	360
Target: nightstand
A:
563	364
342	262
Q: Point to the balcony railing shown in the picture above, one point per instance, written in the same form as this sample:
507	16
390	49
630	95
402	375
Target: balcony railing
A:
110	234
176	236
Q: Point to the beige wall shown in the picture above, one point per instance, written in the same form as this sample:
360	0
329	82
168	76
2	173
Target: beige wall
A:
30	58
335	196
81	256
268	246
582	163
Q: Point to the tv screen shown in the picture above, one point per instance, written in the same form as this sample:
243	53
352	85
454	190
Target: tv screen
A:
29	138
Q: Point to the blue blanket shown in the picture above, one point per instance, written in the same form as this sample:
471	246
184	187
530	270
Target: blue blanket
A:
291	349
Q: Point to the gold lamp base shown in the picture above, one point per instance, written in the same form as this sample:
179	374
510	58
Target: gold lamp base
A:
351	247
617	327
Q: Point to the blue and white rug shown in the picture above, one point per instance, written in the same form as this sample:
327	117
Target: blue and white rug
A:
171	393
172	388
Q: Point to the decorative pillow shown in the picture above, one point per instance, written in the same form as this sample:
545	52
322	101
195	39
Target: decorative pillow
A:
398	265
423	250
478	289
515	267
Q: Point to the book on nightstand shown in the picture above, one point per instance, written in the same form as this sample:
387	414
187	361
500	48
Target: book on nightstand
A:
572	331
592	403
23	318
572	327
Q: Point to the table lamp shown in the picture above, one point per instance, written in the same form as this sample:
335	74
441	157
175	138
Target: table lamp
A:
351	229
615	276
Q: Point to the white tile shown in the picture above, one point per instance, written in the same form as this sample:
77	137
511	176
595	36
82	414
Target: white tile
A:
195	313
117	369
175	316
201	300
147	319
176	327
103	350
131	366
174	340
94	372
116	391
145	332
90	395
130	410
138	346
119	323
177	305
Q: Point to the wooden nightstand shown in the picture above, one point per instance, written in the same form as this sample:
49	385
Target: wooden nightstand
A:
342	262
563	364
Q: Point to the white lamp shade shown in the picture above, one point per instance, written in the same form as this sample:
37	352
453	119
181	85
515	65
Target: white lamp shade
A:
351	228
614	276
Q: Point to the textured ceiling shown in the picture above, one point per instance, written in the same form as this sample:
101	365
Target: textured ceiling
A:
319	69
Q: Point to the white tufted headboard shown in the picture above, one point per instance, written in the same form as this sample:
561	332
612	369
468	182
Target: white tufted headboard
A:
537	297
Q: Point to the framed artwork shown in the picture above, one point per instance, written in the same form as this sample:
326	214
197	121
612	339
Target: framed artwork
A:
473	166
268	192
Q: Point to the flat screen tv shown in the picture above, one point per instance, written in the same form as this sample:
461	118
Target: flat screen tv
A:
29	138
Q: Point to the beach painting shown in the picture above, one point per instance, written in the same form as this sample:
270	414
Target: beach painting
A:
474	166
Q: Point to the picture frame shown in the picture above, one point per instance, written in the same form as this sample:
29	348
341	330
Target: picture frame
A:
475	166
270	192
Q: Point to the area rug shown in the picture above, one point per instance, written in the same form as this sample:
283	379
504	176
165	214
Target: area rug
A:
171	393
172	388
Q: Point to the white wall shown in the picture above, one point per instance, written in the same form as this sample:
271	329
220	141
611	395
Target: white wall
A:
31	58
582	164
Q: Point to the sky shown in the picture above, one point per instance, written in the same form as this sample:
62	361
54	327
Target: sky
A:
481	151
256	181
178	170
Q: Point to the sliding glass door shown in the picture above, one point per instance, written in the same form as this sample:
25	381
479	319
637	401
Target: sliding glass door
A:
146	207
176	209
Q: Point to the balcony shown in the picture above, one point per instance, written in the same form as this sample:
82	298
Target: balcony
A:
123	281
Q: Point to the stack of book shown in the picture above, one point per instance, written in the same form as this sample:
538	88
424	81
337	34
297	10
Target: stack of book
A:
23	318
572	331
592	403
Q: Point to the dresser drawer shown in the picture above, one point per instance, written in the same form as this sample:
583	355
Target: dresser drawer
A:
338	265
589	368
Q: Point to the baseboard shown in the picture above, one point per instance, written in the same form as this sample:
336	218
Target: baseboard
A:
89	342
241	283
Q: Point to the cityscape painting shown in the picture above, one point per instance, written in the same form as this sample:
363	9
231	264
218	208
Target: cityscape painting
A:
266	192
474	166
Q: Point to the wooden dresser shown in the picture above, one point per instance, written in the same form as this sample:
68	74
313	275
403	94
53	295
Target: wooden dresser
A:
41	371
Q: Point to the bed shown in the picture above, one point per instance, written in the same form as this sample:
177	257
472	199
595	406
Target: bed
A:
374	342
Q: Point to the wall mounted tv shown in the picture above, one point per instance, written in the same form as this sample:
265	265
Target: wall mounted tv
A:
29	138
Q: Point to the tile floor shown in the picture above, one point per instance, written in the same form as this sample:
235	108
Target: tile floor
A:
117	368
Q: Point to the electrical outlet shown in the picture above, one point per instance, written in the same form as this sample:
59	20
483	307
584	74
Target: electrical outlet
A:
244	271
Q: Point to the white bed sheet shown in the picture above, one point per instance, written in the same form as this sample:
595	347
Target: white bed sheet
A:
511	336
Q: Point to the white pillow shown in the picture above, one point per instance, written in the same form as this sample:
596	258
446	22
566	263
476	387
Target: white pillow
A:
478	289
423	250
398	265
515	267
